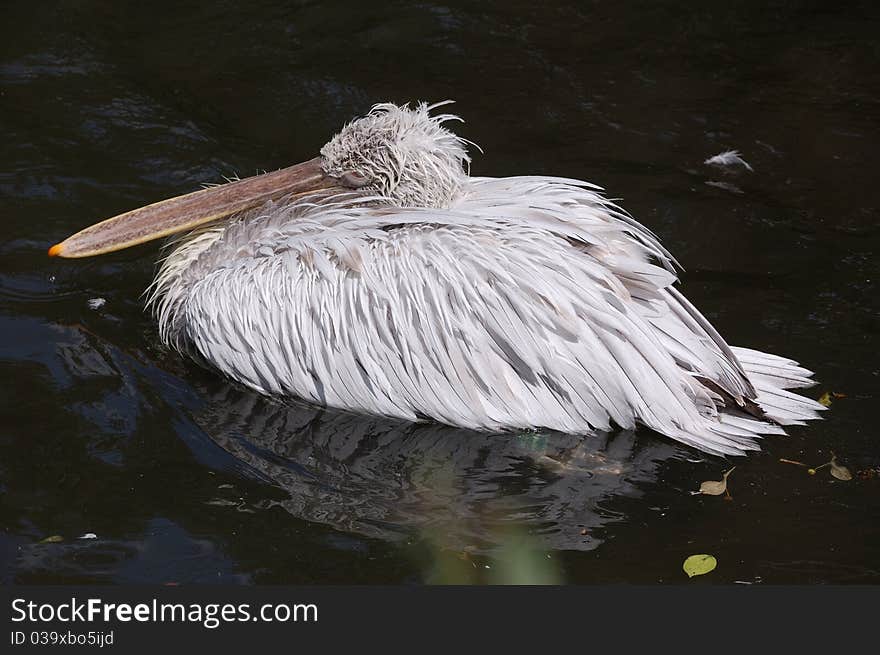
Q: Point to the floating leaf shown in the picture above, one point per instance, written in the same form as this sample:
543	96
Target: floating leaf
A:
841	472
54	539
699	565
825	399
838	471
716	487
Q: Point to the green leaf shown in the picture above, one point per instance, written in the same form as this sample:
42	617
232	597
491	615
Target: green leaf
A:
699	565
54	539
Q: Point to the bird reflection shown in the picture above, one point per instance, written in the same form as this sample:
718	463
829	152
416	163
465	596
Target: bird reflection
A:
395	480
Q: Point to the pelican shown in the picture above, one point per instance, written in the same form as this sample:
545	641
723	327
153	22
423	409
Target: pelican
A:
381	278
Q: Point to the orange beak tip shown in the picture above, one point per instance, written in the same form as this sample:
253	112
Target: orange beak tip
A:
55	250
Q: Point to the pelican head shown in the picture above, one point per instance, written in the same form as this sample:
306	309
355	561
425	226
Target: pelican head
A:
401	154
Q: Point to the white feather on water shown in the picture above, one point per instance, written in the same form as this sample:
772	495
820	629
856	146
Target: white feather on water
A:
728	158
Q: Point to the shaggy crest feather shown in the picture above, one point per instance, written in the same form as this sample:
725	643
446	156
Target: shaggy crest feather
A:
488	303
405	154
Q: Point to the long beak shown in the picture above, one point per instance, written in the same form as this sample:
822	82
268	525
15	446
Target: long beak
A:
186	212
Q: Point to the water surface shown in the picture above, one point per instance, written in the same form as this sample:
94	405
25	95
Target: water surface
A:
184	477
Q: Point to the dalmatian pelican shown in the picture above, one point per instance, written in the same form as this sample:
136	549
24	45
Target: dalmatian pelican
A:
380	277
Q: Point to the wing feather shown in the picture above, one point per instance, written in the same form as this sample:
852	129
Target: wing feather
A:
531	302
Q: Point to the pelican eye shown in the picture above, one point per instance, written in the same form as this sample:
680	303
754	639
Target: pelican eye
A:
353	180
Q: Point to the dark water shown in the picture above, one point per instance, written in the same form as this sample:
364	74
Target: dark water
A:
184	477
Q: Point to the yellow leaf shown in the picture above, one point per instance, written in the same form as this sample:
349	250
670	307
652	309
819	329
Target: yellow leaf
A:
840	472
715	487
825	399
54	539
699	565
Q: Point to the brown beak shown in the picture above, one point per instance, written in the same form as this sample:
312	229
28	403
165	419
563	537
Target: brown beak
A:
186	212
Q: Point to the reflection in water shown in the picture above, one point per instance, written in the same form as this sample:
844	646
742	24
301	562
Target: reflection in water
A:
164	554
511	499
468	490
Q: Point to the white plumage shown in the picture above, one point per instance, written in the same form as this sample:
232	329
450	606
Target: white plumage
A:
487	303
